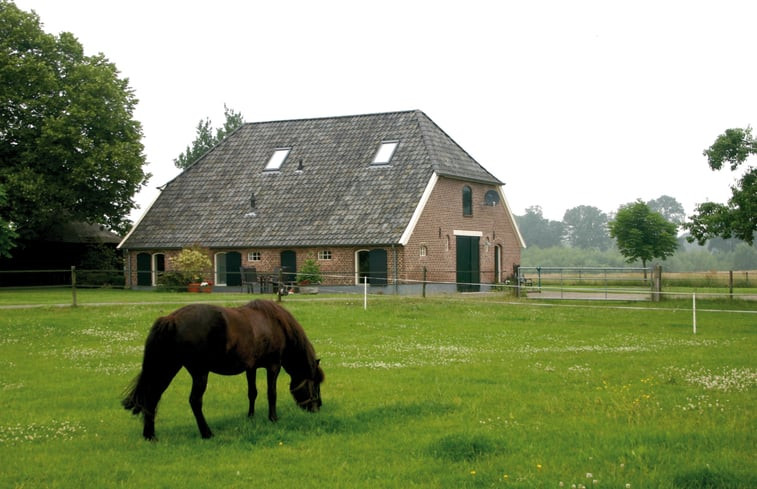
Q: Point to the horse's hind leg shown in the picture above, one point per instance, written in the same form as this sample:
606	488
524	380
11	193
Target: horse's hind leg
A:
273	374
252	391
199	384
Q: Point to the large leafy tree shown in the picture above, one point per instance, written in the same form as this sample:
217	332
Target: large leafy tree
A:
205	139
8	233
643	234
738	217
538	230
669	208
586	227
69	147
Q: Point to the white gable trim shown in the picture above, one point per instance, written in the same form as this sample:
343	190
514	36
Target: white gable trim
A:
503	198
419	210
139	220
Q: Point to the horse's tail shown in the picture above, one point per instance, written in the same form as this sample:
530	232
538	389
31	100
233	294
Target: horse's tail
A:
158	366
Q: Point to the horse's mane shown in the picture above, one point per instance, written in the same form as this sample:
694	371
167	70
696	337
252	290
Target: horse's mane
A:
294	332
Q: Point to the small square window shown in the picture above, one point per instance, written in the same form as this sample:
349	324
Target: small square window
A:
277	159
324	255
385	152
253	256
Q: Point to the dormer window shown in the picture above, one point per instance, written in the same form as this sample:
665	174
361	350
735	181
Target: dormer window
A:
385	152
277	159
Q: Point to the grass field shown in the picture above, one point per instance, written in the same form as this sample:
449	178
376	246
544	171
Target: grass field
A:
443	392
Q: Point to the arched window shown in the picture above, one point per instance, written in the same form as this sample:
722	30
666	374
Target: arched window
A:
467	201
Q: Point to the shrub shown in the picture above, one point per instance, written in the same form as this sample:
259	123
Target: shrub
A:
310	273
192	264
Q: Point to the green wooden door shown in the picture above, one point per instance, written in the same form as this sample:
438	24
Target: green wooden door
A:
144	269
233	264
468	273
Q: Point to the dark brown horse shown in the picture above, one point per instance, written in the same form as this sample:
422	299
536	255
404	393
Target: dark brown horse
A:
228	341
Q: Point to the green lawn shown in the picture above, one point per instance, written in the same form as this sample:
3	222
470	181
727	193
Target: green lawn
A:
441	392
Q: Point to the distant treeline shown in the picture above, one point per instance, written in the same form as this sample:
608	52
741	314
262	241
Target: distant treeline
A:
688	258
582	238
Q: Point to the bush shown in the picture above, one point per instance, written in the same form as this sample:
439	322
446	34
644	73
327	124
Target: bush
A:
192	264
310	273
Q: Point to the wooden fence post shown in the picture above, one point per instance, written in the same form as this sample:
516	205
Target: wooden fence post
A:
657	283
73	285
424	282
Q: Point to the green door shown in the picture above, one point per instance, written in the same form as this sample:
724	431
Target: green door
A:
468	275
289	265
377	266
233	263
144	269
372	264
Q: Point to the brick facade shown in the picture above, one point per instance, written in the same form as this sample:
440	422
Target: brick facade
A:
443	216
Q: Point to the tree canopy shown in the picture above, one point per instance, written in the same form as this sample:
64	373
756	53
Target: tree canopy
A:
586	227
205	140
69	147
643	234
669	208
738	217
538	230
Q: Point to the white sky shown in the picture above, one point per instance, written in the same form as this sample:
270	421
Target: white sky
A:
567	102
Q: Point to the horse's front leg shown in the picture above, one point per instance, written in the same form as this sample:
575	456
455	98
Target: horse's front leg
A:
273	375
252	391
199	384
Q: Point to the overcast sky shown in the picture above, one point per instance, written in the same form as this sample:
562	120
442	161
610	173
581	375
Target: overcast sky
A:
567	102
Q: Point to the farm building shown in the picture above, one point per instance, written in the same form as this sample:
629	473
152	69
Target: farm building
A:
381	196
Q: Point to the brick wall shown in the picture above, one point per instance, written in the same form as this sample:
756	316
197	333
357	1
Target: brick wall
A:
442	216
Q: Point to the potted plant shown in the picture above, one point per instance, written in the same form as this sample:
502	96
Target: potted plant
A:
192	263
309	277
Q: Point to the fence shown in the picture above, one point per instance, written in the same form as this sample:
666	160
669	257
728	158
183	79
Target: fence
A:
532	282
631	283
83	278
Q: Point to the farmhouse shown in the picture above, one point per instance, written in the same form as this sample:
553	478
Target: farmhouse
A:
378	196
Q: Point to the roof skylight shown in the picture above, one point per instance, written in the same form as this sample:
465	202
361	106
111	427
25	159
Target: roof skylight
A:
385	152
277	159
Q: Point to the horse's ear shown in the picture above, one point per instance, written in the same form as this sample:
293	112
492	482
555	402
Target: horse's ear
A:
317	361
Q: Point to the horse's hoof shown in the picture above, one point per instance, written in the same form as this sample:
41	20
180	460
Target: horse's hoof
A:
207	436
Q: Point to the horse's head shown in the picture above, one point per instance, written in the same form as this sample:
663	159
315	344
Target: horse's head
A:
307	391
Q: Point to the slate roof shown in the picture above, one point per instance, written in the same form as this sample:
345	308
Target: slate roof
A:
338	198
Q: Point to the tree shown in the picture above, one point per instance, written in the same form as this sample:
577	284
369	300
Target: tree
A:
8	232
586	227
69	147
737	218
205	140
539	231
642	234
669	208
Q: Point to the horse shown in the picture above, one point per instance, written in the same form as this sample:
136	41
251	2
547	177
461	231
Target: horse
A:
206	338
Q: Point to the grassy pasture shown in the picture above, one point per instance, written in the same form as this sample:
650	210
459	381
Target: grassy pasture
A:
441	392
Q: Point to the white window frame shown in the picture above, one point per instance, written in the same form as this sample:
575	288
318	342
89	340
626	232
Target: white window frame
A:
277	159
385	152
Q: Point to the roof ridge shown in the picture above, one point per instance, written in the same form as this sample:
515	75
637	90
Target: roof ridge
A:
322	118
